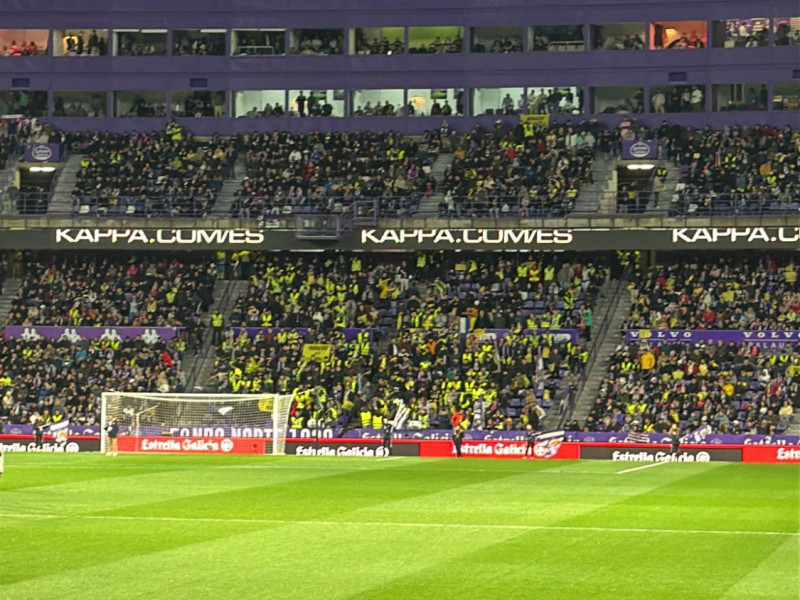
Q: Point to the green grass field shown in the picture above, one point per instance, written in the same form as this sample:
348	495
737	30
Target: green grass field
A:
174	527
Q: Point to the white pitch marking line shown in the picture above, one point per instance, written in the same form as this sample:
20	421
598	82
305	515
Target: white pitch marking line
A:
648	466
399	524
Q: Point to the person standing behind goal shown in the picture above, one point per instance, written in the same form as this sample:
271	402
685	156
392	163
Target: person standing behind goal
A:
112	431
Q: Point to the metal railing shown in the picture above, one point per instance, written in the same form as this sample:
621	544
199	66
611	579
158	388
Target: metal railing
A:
203	355
618	289
595	211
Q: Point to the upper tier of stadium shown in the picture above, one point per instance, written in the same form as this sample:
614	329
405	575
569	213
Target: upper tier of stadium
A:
328	179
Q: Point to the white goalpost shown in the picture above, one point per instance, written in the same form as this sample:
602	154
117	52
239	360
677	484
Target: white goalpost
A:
148	419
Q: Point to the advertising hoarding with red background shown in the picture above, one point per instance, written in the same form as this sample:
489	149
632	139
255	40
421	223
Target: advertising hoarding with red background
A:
505	449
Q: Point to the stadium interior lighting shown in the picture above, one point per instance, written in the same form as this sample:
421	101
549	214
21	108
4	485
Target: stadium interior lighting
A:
641	167
42	169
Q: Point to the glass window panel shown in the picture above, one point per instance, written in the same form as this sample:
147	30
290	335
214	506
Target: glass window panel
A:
23	42
140	104
377	103
198	42
259	103
258	42
80	42
617	36
435	40
618	100
678	35
426	102
79	104
740	97
198	104
497	40
316	103
498	101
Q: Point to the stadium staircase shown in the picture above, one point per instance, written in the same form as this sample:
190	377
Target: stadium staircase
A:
612	308
199	366
225	197
6	181
10	287
593	196
61	203
438	170
673	179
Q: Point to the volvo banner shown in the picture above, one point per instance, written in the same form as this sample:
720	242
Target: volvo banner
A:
760	338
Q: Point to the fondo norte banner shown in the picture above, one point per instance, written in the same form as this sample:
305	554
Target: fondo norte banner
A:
447	238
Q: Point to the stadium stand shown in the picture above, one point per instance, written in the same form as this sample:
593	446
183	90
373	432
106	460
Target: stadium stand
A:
433	292
406	342
56	380
718	292
326	173
494	173
732	388
435	373
508	174
166	173
75	289
737	170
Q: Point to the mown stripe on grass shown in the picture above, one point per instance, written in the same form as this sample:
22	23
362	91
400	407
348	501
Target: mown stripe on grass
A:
520	527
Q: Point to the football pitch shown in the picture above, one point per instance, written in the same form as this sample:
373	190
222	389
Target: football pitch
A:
220	527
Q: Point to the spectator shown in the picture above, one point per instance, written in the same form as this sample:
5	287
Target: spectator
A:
73	290
725	387
326	173
736	170
718	293
149	174
46	381
502	175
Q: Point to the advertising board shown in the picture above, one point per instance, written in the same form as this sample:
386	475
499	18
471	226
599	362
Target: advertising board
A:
408	239
771	454
361	448
659	453
25	443
187	445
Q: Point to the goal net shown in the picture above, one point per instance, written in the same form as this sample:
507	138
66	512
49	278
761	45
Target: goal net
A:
204	423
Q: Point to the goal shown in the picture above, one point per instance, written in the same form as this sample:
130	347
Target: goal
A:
197	422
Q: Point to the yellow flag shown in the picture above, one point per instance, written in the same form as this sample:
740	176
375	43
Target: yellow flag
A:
530	123
648	361
317	351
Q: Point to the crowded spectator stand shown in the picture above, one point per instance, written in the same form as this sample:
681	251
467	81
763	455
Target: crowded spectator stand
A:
486	339
325	173
74	290
165	173
510	174
710	345
734	170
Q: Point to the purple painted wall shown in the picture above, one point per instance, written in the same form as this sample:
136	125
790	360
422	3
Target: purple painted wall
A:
588	69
